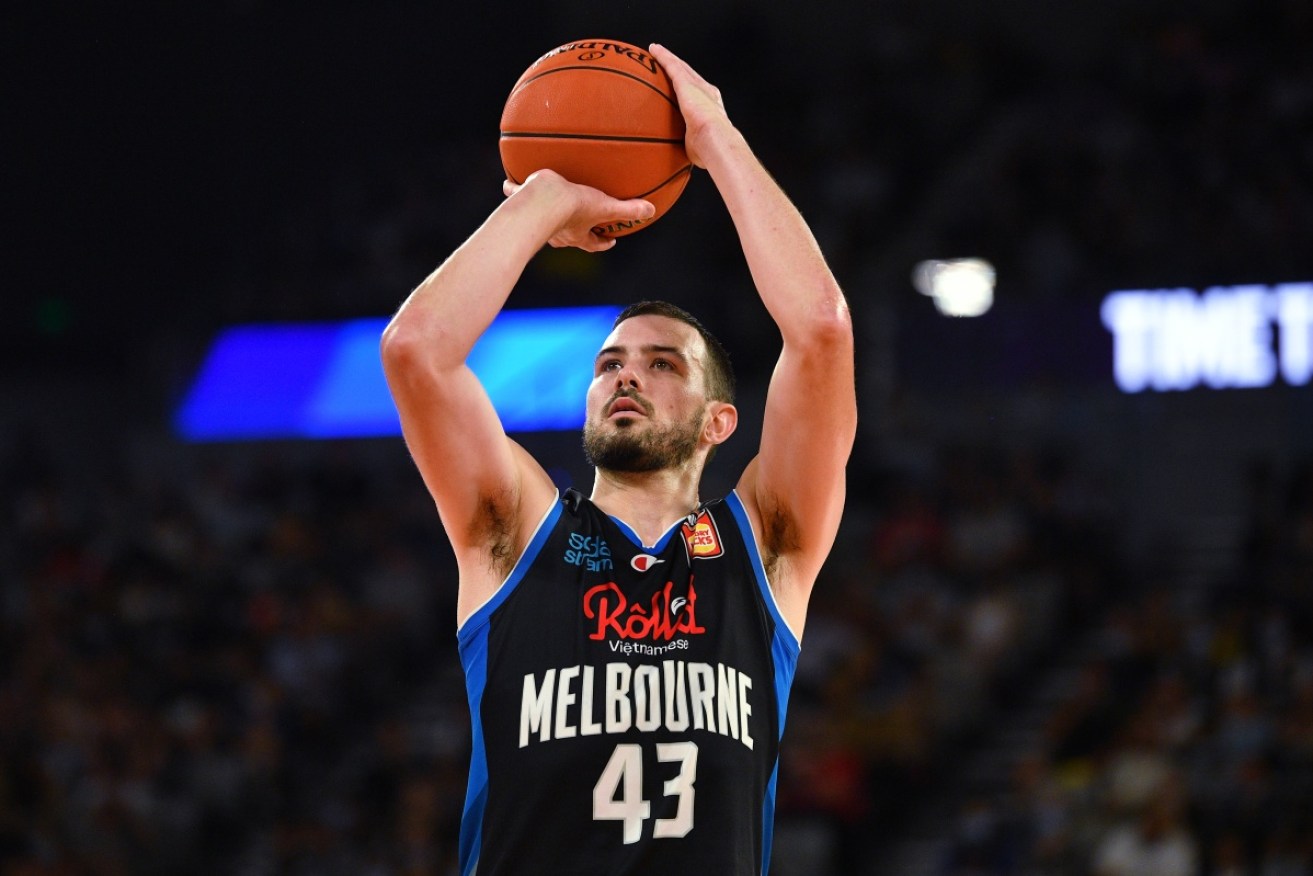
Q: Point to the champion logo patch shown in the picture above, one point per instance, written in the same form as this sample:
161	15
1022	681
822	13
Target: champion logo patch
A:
701	537
643	562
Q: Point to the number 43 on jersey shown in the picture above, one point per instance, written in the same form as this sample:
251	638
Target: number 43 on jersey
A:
618	794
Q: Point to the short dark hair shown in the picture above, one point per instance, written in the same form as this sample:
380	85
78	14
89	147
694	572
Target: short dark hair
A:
719	370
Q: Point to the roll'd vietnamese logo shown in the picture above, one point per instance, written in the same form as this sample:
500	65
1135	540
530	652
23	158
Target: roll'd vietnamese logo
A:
664	617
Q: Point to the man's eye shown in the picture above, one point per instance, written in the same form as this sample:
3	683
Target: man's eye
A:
661	363
610	364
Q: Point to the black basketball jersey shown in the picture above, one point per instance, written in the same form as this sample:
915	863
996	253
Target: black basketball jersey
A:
627	701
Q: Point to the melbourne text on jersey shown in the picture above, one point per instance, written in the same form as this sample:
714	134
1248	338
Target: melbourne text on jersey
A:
675	696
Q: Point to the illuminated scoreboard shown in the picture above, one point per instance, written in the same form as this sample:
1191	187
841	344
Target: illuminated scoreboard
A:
1225	337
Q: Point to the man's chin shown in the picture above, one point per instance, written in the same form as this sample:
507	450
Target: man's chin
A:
613	450
623	444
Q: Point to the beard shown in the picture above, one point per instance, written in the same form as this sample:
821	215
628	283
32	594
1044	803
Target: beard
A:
629	449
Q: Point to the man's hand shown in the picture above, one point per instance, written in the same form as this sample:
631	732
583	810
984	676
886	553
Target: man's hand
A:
582	209
700	102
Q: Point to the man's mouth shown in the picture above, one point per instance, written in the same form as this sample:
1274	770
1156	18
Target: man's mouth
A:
626	405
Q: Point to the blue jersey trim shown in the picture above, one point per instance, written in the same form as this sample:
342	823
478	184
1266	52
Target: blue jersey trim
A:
768	819
474	658
784	650
782	628
472	643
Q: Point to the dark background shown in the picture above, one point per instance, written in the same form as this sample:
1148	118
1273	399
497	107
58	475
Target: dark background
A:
170	169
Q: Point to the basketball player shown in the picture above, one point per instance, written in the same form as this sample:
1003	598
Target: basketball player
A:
628	654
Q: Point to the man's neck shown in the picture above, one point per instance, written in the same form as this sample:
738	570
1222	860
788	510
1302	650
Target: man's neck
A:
649	502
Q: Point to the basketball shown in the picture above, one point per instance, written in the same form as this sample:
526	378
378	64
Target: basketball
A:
601	113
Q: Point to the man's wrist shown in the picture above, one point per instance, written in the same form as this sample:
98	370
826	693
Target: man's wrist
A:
725	153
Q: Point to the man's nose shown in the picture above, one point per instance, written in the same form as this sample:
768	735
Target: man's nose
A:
626	378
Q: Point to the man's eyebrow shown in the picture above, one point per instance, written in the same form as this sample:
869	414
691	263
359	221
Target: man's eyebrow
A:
674	352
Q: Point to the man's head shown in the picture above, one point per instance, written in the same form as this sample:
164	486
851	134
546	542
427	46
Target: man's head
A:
718	372
662	389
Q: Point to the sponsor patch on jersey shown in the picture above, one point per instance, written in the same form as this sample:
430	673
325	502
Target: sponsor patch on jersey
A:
589	551
701	537
643	562
664	617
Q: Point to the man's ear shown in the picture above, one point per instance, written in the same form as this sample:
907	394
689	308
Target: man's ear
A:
722	420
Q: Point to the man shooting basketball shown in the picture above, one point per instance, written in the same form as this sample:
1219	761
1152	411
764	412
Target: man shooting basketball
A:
628	655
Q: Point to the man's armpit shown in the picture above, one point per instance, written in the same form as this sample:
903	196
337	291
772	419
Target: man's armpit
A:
493	527
779	534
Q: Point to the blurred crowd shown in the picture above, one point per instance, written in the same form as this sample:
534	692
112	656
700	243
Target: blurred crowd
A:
242	661
1186	745
936	619
211	666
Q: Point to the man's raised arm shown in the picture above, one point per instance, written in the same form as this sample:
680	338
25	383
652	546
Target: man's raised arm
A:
794	489
488	490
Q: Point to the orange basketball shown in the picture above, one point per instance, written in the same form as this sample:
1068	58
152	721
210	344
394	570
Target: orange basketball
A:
602	113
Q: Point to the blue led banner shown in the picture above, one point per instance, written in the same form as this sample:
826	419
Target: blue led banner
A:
325	380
